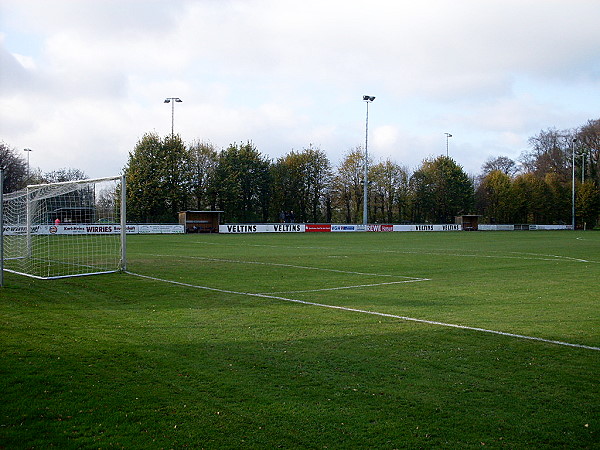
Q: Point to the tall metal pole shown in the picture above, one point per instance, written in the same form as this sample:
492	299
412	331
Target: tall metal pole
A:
28	150
366	174
172	101
368	99
448	136
573	186
172	118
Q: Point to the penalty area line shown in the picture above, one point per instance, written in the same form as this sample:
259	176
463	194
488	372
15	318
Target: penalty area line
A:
347	287
373	313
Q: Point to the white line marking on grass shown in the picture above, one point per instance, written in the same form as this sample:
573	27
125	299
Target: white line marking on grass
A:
259	263
531	257
374	313
586	239
558	258
405	278
348	287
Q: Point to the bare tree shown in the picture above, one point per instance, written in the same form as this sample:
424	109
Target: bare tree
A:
550	153
15	167
502	163
388	191
64	174
348	187
205	159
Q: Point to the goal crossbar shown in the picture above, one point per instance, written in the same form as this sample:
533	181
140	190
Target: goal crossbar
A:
60	183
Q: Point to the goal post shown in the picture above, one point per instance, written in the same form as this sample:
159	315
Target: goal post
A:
1	226
66	229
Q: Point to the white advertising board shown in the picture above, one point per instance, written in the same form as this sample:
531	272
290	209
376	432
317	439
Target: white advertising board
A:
550	227
263	228
70	229
484	227
347	228
446	227
158	229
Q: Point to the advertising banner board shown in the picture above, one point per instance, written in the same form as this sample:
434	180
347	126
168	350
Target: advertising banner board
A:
485	227
263	228
347	228
20	230
317	227
379	228
446	227
550	227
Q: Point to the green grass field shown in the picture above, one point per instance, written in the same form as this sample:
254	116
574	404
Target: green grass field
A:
216	351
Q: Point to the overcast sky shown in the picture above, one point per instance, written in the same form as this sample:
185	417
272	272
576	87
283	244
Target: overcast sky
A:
81	81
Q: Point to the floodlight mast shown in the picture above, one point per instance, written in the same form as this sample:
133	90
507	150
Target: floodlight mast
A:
28	150
172	101
367	99
448	136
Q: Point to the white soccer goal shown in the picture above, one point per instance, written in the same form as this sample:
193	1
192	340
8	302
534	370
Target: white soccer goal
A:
65	229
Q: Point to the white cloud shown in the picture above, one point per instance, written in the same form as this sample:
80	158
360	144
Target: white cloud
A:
93	75
26	62
385	136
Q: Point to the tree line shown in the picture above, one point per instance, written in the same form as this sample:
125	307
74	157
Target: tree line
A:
165	175
539	189
17	175
304	187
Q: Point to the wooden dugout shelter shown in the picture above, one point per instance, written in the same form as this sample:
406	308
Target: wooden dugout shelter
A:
200	221
469	222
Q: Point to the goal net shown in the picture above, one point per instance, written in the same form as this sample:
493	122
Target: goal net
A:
65	229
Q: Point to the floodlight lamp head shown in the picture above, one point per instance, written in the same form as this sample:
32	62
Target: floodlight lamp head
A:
167	100
368	98
178	100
